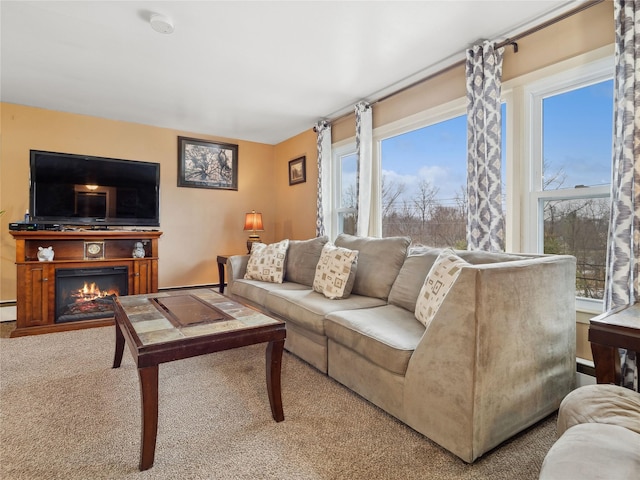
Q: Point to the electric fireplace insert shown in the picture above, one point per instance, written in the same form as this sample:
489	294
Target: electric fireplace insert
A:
88	293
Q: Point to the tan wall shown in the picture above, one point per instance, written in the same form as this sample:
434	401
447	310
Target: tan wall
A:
296	204
583	347
197	223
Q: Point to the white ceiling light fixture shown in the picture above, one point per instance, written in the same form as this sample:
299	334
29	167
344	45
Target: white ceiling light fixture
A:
161	23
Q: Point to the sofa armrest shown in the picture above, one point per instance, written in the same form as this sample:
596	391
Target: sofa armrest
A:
498	356
236	268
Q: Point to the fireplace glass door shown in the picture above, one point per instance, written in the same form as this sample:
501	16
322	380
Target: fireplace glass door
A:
88	293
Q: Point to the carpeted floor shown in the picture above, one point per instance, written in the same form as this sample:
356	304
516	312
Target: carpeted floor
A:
65	414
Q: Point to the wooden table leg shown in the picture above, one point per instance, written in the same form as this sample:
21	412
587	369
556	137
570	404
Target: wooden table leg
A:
607	362
149	393
274	367
117	357
221	276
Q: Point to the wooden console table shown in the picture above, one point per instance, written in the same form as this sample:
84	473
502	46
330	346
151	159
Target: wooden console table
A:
36	280
619	328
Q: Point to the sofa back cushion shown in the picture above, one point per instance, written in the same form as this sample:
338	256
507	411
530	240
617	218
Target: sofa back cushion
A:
479	257
302	259
379	262
405	290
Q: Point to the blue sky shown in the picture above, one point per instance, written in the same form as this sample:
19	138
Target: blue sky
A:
577	136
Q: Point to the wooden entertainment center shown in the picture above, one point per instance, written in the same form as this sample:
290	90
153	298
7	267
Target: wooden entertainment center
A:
36	279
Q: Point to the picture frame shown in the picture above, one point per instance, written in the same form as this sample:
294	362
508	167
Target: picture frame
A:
207	164
298	170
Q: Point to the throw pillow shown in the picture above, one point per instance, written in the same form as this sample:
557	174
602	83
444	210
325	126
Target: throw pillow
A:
441	277
335	272
267	262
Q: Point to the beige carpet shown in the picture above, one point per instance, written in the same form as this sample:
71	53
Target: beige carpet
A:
65	414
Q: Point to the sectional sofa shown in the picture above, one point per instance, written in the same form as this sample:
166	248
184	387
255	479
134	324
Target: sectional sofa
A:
497	356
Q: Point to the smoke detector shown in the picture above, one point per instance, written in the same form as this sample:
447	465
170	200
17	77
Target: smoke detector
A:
161	23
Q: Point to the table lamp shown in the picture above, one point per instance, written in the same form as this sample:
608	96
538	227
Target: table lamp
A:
253	222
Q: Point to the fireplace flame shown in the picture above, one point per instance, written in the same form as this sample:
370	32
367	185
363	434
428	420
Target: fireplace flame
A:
90	291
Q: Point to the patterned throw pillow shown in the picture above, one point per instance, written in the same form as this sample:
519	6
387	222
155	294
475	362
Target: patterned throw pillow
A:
443	274
267	262
335	272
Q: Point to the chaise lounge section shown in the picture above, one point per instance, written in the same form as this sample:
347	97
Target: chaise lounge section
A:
498	355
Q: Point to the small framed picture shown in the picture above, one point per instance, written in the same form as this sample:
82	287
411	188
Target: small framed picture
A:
94	250
298	170
205	164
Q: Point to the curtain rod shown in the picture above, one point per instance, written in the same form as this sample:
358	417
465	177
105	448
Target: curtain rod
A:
512	41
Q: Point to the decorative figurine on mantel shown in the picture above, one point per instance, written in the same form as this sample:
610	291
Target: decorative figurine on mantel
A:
45	254
138	251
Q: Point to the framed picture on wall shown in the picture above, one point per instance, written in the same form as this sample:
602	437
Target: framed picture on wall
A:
298	171
206	164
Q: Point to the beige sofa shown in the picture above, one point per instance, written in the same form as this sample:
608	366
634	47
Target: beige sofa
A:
498	356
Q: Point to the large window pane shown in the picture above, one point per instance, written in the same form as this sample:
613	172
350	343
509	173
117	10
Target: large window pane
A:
347	193
577	130
579	227
577	137
348	171
424	184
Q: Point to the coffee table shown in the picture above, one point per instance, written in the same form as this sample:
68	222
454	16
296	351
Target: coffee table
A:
168	326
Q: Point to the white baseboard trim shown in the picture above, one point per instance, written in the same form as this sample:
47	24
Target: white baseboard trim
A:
583	379
8	313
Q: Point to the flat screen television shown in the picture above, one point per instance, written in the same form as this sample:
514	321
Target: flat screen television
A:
69	189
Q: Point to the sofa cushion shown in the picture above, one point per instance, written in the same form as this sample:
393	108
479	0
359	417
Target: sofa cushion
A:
379	261
437	285
267	262
335	272
386	335
308	308
408	284
256	291
302	259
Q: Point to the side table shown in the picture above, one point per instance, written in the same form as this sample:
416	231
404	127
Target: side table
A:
619	328
222	262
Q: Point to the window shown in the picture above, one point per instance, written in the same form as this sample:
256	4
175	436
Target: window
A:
424	179
423	183
343	218
557	128
570	171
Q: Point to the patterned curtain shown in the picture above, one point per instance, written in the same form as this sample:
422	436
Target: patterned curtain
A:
485	221
623	255
364	180
323	129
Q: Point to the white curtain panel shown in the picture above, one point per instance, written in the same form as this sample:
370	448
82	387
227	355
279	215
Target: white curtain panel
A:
623	255
485	220
323	204
364	180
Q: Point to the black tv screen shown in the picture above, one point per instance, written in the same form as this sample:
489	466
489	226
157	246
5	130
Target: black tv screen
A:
70	189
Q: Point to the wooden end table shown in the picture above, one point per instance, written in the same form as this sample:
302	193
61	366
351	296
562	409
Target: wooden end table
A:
168	326
619	328
222	262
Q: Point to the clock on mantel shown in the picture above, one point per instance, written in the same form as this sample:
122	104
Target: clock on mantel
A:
94	250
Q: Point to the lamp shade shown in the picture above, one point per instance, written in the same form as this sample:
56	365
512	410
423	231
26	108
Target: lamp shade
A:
253	221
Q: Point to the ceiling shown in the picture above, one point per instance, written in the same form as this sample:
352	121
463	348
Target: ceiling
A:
261	71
